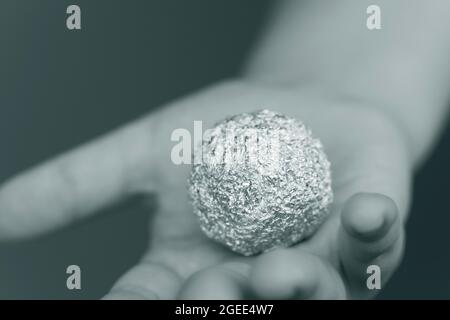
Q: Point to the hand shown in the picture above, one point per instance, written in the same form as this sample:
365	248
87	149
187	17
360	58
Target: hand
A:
371	181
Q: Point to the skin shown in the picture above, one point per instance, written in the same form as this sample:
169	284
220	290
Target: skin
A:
373	146
365	226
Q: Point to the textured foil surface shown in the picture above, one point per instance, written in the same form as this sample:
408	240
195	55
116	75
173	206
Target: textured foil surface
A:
263	182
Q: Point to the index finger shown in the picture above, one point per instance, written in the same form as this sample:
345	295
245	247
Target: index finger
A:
77	183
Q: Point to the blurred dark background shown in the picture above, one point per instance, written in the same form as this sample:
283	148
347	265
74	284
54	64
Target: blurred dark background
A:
59	88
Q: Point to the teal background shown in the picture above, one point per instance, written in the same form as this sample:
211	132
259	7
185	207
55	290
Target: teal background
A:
59	88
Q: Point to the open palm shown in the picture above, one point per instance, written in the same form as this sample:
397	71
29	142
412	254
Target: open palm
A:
371	181
368	163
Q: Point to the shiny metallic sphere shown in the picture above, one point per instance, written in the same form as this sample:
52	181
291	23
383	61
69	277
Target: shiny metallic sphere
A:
263	182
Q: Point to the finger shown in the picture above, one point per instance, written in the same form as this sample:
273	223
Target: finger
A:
290	274
75	184
148	281
371	233
224	282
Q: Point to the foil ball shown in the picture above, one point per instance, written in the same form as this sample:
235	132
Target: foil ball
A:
263	181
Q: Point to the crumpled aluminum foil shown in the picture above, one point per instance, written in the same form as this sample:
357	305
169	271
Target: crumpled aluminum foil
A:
263	182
